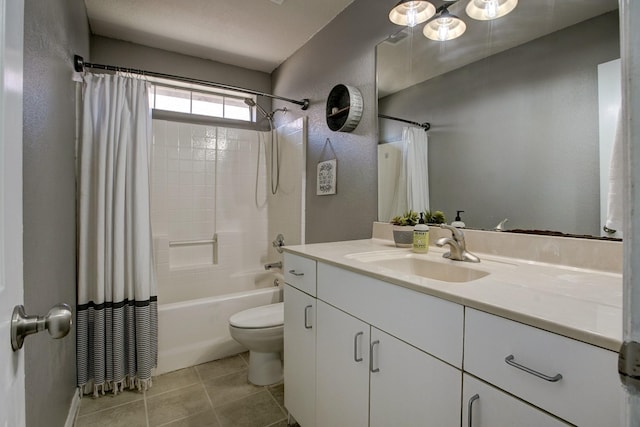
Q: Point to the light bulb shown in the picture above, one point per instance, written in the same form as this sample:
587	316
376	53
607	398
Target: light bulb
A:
485	10
411	12
445	27
412	18
491	9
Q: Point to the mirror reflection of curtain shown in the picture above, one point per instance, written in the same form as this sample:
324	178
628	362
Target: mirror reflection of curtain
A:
616	183
392	184
416	161
403	179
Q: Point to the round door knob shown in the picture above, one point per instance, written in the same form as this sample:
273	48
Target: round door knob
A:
57	321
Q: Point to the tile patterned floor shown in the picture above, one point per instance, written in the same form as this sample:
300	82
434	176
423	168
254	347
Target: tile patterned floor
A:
214	394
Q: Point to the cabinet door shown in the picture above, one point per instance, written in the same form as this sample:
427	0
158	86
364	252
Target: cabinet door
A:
342	375
491	407
300	355
411	388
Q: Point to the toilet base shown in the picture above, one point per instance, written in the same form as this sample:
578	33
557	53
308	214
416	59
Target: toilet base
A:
264	368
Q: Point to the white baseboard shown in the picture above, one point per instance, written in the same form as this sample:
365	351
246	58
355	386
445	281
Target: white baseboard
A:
73	409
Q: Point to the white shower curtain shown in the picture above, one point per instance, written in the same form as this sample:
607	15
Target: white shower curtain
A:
416	158
614	220
410	175
117	298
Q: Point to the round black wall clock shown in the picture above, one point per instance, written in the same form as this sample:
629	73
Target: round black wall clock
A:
344	108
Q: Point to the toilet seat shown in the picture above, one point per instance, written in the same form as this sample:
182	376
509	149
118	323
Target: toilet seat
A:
266	316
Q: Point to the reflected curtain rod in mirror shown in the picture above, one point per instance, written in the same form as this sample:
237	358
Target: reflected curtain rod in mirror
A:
426	125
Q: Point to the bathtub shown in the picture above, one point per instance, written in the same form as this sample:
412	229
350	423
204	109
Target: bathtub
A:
197	330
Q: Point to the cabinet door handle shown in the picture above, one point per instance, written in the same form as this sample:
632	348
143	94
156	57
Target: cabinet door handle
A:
373	345
511	362
469	408
355	347
306	317
295	273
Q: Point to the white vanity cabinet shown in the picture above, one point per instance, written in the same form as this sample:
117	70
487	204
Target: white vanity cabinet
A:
366	377
300	338
486	406
572	380
369	371
431	324
360	351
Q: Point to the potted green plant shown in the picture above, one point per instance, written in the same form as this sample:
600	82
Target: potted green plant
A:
435	217
403	225
403	228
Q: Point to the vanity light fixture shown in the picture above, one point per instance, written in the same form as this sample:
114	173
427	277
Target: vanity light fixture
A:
485	10
411	12
444	26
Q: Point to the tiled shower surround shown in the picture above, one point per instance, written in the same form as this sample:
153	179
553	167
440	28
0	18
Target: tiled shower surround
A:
212	181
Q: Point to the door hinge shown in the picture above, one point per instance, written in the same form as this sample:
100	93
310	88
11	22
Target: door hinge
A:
629	365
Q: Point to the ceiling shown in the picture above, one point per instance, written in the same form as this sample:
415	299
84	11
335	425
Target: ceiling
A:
412	58
254	34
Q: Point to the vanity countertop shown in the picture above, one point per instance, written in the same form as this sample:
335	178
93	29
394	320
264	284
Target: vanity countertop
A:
578	303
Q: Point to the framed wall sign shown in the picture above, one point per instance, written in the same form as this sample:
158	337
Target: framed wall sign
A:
326	180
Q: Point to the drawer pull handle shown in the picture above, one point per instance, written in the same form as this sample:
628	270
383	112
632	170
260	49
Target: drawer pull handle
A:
470	407
510	361
355	347
295	273
371	368
306	317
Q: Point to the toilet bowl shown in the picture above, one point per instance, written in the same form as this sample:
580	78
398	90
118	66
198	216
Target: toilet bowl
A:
261	330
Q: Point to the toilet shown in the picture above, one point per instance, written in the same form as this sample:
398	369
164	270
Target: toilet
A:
261	330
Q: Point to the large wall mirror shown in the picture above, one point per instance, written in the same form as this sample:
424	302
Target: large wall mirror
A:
522	109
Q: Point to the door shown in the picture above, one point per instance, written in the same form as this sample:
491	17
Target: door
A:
410	387
12	403
342	374
300	355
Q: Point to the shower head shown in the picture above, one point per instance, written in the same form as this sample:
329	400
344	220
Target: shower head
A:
251	103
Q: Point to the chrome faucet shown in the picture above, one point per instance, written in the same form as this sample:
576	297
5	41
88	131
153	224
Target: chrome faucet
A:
457	245
501	225
273	265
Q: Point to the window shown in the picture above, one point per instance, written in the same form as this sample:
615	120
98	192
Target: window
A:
172	99
223	103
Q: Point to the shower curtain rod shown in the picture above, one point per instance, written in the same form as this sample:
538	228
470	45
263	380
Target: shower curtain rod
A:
426	125
79	65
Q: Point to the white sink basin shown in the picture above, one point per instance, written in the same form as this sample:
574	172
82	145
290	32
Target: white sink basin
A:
443	270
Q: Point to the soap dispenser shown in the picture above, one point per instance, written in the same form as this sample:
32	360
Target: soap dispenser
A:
421	236
458	222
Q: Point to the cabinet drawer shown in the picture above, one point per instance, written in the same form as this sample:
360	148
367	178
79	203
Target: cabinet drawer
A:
526	362
300	273
491	407
428	323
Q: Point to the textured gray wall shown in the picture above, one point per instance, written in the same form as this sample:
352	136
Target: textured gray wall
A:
54	31
516	135
342	52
